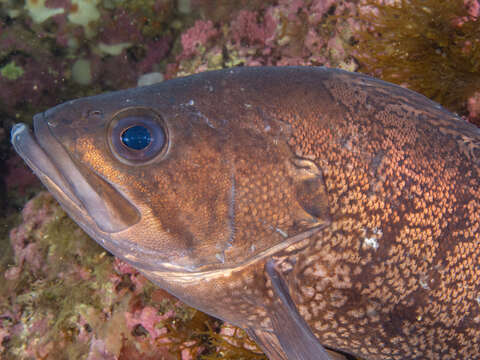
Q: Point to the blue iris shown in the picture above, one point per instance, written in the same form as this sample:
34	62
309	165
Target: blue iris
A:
136	137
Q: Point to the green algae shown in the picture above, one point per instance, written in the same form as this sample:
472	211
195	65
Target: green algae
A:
431	46
12	71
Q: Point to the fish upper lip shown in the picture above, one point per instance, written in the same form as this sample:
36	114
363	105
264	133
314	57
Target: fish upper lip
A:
27	146
29	149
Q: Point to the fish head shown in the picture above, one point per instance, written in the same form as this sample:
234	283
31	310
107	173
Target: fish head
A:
187	176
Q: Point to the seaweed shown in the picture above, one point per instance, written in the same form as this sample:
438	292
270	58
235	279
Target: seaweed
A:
430	46
210	339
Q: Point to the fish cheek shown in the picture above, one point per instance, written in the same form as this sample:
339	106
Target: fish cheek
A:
190	199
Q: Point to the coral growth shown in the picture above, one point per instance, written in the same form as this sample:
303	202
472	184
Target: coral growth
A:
197	36
284	33
245	28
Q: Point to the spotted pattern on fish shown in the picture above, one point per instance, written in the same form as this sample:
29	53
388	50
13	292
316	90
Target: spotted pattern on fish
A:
397	274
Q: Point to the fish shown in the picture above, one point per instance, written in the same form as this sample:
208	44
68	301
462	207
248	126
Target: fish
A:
313	207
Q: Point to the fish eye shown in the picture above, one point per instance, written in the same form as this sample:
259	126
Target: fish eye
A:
137	136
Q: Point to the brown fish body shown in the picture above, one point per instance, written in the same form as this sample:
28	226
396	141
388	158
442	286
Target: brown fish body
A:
363	197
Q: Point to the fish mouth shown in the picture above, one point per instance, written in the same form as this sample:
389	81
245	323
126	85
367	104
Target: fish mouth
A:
93	203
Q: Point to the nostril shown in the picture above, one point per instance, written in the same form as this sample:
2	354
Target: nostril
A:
93	114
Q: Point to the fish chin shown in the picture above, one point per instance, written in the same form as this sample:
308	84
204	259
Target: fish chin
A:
26	145
28	148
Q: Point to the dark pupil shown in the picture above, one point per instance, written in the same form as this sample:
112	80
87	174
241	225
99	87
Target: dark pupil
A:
136	137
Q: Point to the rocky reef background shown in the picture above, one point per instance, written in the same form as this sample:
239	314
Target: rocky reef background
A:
64	297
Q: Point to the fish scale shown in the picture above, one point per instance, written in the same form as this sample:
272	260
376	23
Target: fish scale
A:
424	196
